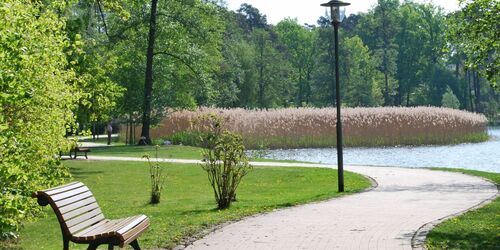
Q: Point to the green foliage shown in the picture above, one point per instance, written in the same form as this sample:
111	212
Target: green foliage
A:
157	177
100	91
38	89
225	161
359	75
300	51
380	26
450	100
473	30
188	138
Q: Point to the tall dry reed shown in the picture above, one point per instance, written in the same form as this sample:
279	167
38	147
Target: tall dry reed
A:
316	127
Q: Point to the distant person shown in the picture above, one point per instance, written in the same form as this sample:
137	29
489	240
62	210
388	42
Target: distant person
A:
110	131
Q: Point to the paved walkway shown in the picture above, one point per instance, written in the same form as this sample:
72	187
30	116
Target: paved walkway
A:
386	217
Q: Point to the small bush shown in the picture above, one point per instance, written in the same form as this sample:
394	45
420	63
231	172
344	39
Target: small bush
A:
450	100
188	138
157	178
225	161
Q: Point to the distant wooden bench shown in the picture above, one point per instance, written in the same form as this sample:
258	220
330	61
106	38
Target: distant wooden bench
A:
77	150
82	221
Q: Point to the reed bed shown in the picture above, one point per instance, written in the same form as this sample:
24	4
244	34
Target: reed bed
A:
316	127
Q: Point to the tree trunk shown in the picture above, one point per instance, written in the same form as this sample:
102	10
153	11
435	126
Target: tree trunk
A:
131	132
399	95
386	90
148	84
261	78
301	89
126	131
477	90
470	90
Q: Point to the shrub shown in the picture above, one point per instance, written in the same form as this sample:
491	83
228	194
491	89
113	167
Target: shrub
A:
314	127
191	138
450	100
37	91
225	161
157	177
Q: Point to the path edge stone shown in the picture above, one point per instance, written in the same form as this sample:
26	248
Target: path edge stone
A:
419	238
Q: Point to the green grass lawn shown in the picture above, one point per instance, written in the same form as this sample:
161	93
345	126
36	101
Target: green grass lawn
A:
169	152
187	207
174	151
478	229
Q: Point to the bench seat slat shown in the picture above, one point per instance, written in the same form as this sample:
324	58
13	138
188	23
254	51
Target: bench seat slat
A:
80	219
76	205
87	223
69	194
64	188
104	230
111	227
132	224
73	199
137	233
85	231
138	228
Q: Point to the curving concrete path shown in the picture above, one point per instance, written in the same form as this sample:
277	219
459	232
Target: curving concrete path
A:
386	217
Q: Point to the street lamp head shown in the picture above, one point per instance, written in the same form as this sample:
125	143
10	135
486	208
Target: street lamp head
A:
336	9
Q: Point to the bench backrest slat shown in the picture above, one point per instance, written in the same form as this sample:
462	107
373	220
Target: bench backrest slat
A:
64	188
74	205
73	199
82	210
69	193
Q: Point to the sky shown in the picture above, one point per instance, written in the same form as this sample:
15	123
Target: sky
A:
308	11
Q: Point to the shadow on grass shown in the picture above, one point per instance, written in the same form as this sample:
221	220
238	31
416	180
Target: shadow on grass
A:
80	173
200	211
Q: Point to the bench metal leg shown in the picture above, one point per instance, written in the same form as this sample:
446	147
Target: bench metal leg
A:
135	245
92	246
65	244
110	247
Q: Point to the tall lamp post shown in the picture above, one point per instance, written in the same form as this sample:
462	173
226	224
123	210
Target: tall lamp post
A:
337	17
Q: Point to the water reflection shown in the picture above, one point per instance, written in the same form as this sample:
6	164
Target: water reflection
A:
479	156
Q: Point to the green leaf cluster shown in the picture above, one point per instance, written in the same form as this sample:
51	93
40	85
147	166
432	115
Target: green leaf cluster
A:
474	31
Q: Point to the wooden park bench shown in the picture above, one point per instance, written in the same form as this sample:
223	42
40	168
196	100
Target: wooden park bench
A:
77	150
82	221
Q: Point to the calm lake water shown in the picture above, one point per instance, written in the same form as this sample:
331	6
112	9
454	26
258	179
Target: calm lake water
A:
479	156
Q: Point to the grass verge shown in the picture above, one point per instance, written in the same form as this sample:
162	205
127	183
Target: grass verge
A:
169	152
187	207
477	229
176	152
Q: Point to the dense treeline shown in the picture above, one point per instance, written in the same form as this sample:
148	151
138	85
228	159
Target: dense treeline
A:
397	54
202	54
